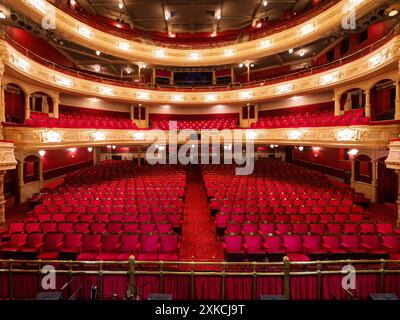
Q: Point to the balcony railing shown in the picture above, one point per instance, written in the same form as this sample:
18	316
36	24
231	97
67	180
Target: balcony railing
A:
106	79
318	278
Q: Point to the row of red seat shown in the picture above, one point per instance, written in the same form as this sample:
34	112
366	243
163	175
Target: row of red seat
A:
85	226
307	247
218	124
313	228
76	120
91	246
313	119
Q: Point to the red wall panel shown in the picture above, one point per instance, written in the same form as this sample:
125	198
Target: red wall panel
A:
104	113
192	117
324	106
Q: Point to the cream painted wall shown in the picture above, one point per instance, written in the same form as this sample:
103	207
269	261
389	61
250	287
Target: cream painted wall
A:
93	103
166	109
297	101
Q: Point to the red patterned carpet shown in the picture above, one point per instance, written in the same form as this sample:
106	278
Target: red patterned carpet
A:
199	241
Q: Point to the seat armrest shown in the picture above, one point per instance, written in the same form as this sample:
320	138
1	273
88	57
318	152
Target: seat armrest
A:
59	245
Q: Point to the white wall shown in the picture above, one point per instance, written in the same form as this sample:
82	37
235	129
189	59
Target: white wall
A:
93	103
297	101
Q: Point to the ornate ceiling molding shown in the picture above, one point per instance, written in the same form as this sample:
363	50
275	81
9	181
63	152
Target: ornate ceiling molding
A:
321	25
383	60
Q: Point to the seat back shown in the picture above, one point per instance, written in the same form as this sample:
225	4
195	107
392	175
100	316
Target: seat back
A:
149	243
129	242
233	243
293	243
110	242
91	242
312	241
253	242
17	240
52	240
72	240
169	243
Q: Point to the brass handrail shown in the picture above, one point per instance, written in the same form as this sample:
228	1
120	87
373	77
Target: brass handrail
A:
133	268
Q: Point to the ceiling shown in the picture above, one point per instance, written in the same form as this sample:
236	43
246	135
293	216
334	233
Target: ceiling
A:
193	15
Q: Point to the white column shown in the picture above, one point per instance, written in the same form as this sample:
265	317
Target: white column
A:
336	99
348	103
132	112
397	108
27	107
368	103
353	172
41	181
374	181
45	105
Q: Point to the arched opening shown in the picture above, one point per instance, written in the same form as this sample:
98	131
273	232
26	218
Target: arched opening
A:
388	182
363	169
41	102
352	99
14	98
31	169
383	100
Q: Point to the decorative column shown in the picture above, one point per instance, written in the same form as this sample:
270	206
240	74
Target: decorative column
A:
336	99
27	106
368	103
398	199
353	172
2	95
375	181
56	106
96	155
397	105
347	105
393	162
132	112
41	181
7	162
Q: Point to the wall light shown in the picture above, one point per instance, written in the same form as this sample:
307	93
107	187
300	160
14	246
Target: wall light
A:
301	148
42	153
353	152
114	147
90	149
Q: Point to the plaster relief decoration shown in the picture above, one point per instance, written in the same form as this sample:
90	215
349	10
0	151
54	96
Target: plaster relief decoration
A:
19	62
62	81
7	156
138	135
51	136
284	88
295	135
106	91
347	135
329	78
98	136
251	134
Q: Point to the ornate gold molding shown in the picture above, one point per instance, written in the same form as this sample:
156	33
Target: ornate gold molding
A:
393	159
316	27
7	157
382	62
369	137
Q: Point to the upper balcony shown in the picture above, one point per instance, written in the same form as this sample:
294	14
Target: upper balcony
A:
322	24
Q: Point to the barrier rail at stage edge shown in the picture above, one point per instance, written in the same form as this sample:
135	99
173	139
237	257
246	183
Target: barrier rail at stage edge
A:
120	81
285	270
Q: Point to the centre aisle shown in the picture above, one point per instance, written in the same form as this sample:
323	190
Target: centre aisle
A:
199	241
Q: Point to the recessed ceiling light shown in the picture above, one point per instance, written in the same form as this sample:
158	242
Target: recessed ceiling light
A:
98	52
302	53
265	3
120	5
97	68
2	15
393	13
291	50
73	2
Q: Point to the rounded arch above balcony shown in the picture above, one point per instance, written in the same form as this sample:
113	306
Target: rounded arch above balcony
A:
306	32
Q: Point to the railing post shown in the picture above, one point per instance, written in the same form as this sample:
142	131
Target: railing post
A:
319	280
254	291
161	277
286	277
132	284
382	282
10	280
101	280
192	292
223	284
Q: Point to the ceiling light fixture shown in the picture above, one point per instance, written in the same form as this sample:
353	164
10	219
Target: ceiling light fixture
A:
302	53
291	50
2	15
393	13
120	5
98	53
265	3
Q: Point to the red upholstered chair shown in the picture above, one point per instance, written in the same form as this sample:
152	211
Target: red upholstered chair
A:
233	227
169	247
300	228
266	228
129	246
253	244
273	244
312	245
294	248
311	218
283	228
91	247
175	219
373	245
116	217
332	244
391	243
82	227
87	217
72	246
385	228
14	227
73	217
58	217
99	227
65	227
10	248
334	228
164	227
317	228
149	247
352	244
53	241
32	226
367	227
326	218
131	227
351	228
110	247
46	227
249	227
114	227
233	245
355	217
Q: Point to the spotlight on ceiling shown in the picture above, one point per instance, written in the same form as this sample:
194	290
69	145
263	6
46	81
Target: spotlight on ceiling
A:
265	3
302	53
98	52
291	50
2	15
120	5
393	13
